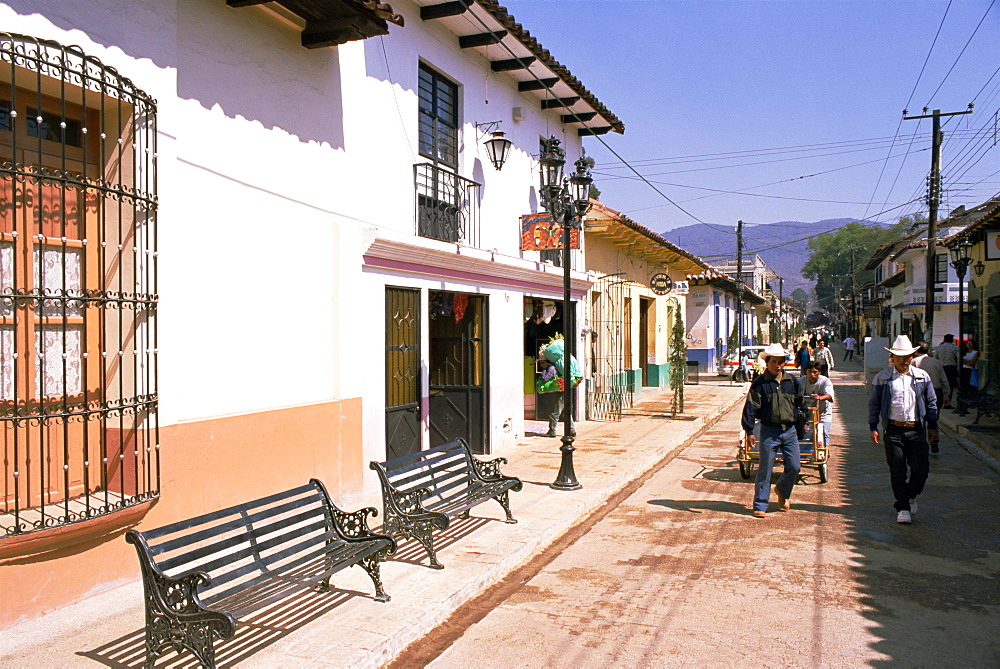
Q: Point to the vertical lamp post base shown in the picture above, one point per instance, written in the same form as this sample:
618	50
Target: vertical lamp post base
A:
566	479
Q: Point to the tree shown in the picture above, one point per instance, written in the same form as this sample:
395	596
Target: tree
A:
678	362
829	264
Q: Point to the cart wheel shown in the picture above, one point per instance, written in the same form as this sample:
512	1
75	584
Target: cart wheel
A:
745	470
822	473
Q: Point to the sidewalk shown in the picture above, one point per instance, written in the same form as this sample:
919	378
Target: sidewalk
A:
349	629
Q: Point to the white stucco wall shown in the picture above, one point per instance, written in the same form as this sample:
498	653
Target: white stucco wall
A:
275	164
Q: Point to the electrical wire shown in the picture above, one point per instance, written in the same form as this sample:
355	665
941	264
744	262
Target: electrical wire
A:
969	41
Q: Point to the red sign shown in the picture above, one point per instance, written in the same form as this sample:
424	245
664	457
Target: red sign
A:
539	232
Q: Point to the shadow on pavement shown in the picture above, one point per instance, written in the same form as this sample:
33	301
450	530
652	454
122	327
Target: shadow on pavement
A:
252	635
931	588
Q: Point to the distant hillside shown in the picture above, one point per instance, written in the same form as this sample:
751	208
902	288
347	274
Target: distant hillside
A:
787	260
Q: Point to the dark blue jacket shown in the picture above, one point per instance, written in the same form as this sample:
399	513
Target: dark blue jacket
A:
761	401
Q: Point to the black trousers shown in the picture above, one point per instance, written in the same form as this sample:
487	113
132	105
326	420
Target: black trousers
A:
906	449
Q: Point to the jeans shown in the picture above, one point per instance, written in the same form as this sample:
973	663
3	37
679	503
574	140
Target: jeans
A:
849	354
906	448
773	439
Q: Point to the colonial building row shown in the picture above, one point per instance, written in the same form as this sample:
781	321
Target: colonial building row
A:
245	244
966	299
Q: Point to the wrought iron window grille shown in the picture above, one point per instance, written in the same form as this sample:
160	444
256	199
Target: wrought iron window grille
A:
78	288
447	205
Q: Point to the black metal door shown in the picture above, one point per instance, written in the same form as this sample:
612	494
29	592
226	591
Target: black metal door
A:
402	371
457	365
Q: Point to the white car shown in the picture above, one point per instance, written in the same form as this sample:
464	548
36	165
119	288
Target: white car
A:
730	365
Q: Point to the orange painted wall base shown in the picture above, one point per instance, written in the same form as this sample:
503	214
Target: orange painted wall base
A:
205	466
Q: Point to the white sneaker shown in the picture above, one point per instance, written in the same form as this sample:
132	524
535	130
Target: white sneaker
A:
903	517
913	507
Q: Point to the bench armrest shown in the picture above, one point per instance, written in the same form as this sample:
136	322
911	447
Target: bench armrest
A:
176	597
489	469
353	526
409	502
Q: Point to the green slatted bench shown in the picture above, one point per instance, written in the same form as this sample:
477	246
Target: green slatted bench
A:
423	491
200	576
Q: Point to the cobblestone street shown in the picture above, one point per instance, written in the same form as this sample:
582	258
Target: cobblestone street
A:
679	573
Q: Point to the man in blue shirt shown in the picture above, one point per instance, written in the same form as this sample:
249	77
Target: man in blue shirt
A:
903	397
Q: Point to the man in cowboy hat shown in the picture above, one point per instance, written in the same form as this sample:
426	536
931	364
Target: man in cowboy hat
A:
774	399
903	397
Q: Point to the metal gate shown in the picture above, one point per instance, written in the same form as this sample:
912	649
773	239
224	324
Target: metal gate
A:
457	367
610	390
402	371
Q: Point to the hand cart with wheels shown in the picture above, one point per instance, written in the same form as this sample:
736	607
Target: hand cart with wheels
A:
813	449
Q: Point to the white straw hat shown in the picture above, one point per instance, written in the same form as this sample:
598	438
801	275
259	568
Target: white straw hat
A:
902	346
774	350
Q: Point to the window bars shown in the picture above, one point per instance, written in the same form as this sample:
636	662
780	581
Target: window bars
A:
447	206
78	398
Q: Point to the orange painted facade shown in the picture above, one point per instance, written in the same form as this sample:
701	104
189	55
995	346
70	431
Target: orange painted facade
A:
206	465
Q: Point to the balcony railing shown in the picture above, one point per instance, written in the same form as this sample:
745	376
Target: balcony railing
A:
447	205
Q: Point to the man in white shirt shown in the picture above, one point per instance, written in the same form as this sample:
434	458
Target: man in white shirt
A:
904	398
849	345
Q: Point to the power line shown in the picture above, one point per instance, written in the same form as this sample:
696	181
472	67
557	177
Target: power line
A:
878	182
661	194
947	74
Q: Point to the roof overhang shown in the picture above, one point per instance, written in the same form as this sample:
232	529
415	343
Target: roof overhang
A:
485	26
614	227
326	23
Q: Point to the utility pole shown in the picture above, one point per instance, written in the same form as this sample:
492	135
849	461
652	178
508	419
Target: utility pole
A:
782	330
739	287
854	290
933	202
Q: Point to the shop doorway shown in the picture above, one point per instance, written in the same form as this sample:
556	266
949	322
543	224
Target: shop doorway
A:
458	402
402	371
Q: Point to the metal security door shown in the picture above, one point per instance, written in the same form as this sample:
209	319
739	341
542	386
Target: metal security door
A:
610	390
457	365
402	371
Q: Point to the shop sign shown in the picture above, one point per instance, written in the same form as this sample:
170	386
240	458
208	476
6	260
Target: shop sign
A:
660	284
681	287
540	232
993	245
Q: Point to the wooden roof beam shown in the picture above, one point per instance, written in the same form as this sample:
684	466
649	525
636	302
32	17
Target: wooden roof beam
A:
536	84
444	10
556	103
481	39
522	63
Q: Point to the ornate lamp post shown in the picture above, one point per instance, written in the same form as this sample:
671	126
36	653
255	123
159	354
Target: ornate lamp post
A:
960	261
567	199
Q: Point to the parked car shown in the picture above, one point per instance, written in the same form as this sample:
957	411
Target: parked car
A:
731	364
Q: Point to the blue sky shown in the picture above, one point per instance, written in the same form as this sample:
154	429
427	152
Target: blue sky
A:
788	90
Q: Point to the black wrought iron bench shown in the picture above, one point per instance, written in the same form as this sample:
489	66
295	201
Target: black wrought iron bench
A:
202	575
423	491
985	400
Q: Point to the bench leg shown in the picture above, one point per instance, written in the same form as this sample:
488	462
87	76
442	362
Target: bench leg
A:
370	565
195	637
504	499
422	532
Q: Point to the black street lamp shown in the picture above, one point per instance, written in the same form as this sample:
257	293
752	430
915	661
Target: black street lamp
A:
567	199
960	261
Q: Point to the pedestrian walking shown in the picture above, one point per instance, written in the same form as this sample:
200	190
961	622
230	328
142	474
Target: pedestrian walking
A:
902	399
939	379
824	356
968	384
947	354
849	343
818	391
803	356
774	399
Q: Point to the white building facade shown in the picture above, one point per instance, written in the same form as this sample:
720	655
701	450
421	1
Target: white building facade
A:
284	253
